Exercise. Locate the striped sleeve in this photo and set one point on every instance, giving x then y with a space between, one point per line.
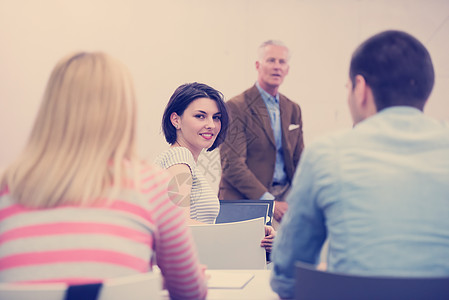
174 156
175 250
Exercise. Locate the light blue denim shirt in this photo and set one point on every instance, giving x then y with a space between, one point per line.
379 192
272 104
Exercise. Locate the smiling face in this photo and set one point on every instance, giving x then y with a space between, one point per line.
272 67
198 126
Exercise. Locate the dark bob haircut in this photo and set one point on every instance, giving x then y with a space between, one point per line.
182 97
397 67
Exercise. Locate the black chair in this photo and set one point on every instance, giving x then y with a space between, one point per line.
312 284
137 287
241 210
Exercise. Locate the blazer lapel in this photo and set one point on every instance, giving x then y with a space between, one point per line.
285 117
260 112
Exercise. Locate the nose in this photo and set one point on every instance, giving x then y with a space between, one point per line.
210 123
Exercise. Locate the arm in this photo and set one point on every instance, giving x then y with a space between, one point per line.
302 232
233 154
175 251
179 189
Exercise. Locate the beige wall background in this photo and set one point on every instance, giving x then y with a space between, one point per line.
168 43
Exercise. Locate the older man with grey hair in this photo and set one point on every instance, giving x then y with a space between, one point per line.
265 140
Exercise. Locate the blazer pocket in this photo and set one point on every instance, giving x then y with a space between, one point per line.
293 127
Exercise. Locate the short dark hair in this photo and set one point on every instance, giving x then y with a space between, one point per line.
397 67
182 97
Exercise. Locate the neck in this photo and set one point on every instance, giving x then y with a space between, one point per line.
272 90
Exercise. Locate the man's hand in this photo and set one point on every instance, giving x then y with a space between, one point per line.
280 207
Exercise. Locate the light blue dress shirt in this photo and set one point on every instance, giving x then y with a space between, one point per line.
379 192
272 104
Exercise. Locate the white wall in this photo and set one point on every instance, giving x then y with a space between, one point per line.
167 43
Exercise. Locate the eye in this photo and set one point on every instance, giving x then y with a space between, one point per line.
200 116
282 62
271 60
217 118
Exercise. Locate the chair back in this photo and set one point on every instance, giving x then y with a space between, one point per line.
137 287
231 245
241 210
312 284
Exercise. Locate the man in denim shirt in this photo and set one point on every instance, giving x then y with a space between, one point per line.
379 192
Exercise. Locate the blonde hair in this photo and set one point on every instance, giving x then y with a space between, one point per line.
83 139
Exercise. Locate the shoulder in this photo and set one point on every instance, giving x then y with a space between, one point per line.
238 105
180 170
174 156
240 99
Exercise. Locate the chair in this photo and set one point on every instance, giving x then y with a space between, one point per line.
231 245
146 286
240 210
319 285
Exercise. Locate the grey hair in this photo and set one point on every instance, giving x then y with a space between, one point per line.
261 49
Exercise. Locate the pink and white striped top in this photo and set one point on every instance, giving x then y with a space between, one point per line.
74 244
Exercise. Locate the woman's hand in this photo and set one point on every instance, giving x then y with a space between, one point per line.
267 241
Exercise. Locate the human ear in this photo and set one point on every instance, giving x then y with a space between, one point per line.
359 89
364 96
174 118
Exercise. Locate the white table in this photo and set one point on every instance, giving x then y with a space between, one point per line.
257 289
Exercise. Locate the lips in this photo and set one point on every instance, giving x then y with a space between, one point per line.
207 136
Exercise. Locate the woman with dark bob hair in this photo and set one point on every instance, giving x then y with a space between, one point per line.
195 119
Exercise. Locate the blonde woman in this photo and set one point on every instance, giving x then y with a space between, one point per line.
77 206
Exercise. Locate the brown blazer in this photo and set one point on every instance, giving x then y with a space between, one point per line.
248 154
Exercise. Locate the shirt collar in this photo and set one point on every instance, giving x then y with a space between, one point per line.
266 96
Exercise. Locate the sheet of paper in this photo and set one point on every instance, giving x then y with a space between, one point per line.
220 279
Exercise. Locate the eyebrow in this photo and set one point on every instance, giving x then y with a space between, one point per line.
203 112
